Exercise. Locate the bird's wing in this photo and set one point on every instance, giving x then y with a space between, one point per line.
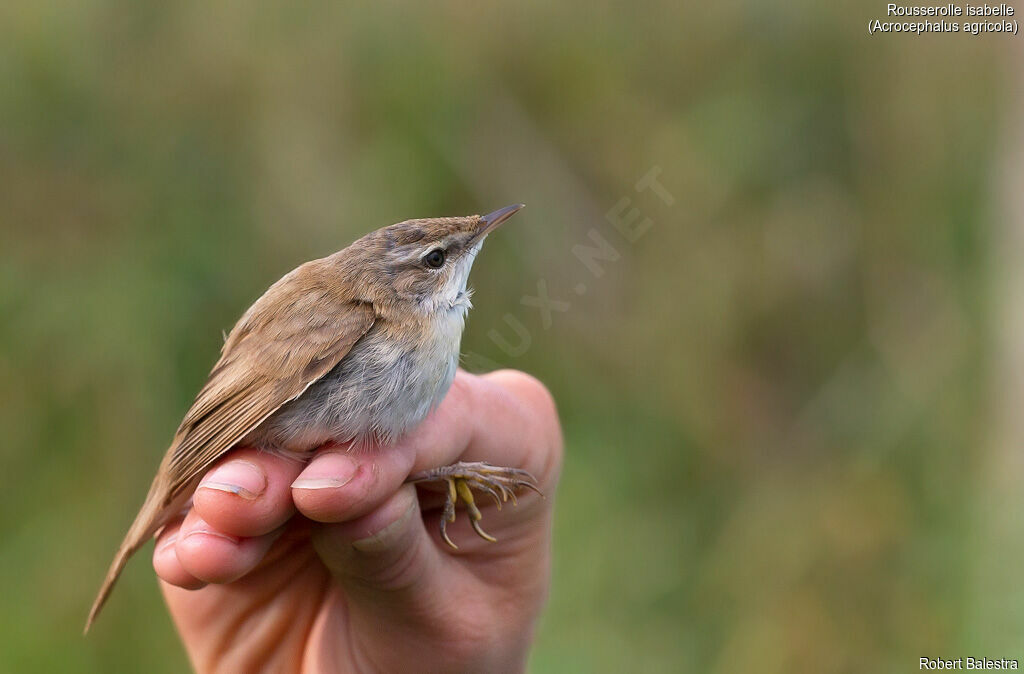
270 358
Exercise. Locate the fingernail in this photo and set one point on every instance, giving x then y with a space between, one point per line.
167 543
211 532
386 537
241 478
327 471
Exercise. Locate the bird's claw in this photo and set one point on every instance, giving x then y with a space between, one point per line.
461 478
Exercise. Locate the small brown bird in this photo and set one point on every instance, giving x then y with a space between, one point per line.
357 347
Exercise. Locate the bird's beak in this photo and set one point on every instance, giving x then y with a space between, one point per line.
490 222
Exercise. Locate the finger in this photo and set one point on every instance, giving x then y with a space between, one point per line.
340 485
165 560
247 493
511 421
526 417
506 418
212 556
384 561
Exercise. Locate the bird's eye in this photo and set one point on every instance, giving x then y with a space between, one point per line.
434 259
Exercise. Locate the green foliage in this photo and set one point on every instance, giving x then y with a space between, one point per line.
772 400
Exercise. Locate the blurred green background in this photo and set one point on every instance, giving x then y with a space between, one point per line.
788 404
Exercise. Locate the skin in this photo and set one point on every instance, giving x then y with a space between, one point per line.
337 566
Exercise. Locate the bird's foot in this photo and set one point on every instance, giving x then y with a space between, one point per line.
461 478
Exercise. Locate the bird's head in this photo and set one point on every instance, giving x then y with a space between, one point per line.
423 265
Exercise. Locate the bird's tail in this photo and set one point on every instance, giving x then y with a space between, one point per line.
152 516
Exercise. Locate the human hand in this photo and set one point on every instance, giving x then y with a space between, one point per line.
337 566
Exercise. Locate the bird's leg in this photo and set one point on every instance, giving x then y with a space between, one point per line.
461 478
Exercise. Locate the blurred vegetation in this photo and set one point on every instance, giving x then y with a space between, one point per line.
774 401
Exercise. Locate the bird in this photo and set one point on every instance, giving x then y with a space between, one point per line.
357 347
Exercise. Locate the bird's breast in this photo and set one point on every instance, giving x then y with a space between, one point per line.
385 386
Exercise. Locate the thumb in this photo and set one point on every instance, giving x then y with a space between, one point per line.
385 561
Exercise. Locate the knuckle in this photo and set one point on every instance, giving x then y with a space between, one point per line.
539 401
529 389
396 570
542 430
469 640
